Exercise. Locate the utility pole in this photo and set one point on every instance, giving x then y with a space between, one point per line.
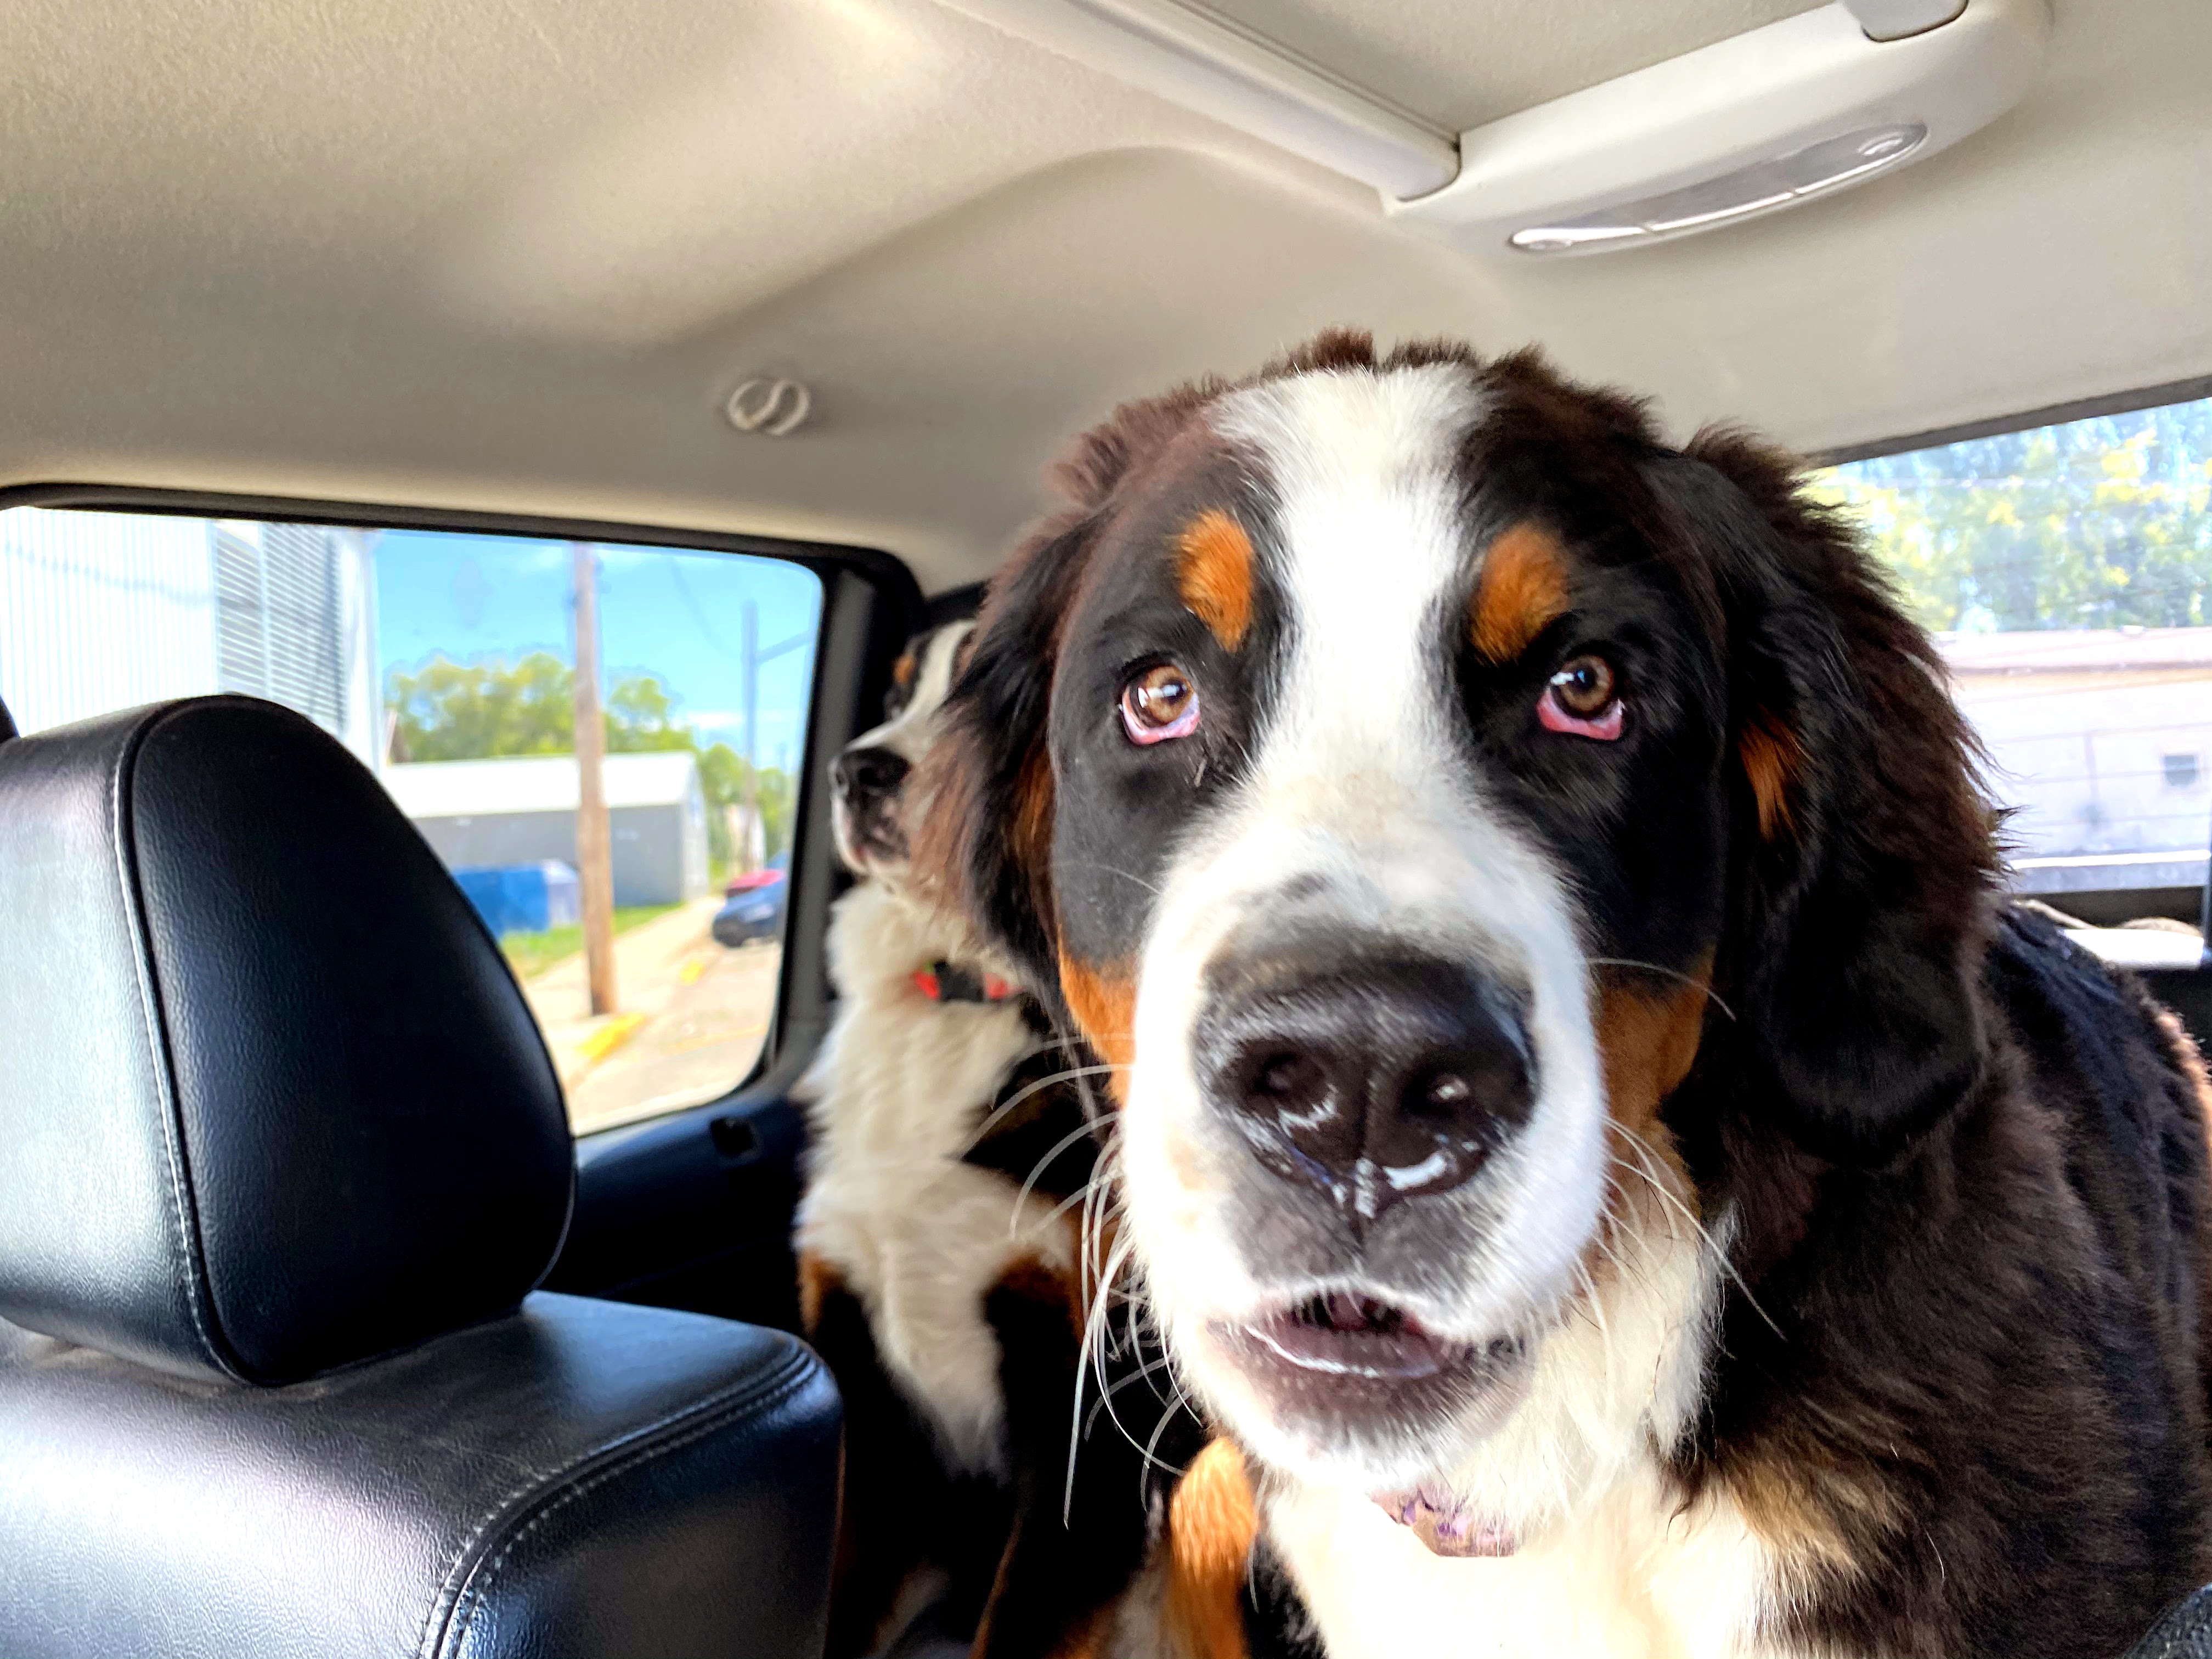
750 657
595 872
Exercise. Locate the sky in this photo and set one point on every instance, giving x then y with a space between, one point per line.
676 614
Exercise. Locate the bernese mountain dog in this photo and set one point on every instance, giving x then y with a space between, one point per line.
1589 1127
942 1252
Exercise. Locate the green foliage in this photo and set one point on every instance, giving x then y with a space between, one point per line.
488 707
466 711
2100 523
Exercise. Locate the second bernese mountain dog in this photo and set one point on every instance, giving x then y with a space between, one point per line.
1590 1128
1011 1447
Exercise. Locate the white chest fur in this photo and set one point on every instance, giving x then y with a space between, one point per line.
919 1235
1611 1565
1627 1579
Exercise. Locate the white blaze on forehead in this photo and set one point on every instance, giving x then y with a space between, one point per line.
1371 536
910 733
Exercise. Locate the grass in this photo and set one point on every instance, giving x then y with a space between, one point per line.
532 954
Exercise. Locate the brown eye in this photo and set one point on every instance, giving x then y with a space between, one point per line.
1159 703
1584 686
1583 699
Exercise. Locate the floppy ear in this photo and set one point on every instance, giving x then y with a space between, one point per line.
985 845
1862 853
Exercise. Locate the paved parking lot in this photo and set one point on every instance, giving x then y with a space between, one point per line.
692 1018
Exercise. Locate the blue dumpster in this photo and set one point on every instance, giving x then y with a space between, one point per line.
522 898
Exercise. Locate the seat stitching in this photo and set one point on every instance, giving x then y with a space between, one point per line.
182 1213
463 1592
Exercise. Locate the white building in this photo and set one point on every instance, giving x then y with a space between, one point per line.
2102 740
522 809
107 610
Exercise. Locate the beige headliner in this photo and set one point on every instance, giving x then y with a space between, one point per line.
513 255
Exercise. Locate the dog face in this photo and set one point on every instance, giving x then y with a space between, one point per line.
1391 763
868 808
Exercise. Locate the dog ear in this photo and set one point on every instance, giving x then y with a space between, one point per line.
1863 854
984 844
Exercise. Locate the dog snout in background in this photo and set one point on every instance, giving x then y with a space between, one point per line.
867 781
870 810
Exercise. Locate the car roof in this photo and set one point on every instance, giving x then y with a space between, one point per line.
516 256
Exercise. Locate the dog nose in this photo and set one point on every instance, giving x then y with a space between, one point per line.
865 775
1376 1076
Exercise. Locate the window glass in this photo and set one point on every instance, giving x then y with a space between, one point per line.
2066 572
447 662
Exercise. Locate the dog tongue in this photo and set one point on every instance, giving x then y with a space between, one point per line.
1445 1524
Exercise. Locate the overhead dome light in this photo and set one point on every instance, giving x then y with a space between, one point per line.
1760 188
1746 126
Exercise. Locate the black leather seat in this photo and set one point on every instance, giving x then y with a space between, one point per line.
281 1155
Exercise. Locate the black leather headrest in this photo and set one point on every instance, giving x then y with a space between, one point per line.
270 1100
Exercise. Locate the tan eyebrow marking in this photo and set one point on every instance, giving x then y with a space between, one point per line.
903 670
1213 574
1522 590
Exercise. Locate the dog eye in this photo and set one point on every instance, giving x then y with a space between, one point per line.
1159 703
1582 698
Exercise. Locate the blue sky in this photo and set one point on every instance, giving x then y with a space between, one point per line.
677 614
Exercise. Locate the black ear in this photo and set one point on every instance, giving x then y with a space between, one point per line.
985 843
1863 854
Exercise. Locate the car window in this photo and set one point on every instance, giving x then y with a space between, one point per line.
2066 571
447 663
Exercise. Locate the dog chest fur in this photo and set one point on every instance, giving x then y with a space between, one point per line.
899 1093
1632 1578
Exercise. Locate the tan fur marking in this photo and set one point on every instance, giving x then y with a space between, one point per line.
1214 575
902 671
1522 590
1032 830
1087 1641
1106 1009
1647 1042
1796 1499
816 1279
1770 754
1211 1521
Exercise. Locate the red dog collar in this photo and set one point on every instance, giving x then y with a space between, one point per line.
943 981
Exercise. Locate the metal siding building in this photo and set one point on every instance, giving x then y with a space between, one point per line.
523 808
101 612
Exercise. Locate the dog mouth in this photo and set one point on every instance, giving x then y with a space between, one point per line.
1368 1388
1338 1333
1343 1353
870 839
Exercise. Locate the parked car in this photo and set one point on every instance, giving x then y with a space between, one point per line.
753 908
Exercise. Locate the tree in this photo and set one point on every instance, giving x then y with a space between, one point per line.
488 707
2099 523
466 711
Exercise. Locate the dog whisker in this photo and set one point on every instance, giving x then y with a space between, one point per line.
1023 1094
1710 995
1642 1148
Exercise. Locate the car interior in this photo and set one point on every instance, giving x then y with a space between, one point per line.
377 1277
